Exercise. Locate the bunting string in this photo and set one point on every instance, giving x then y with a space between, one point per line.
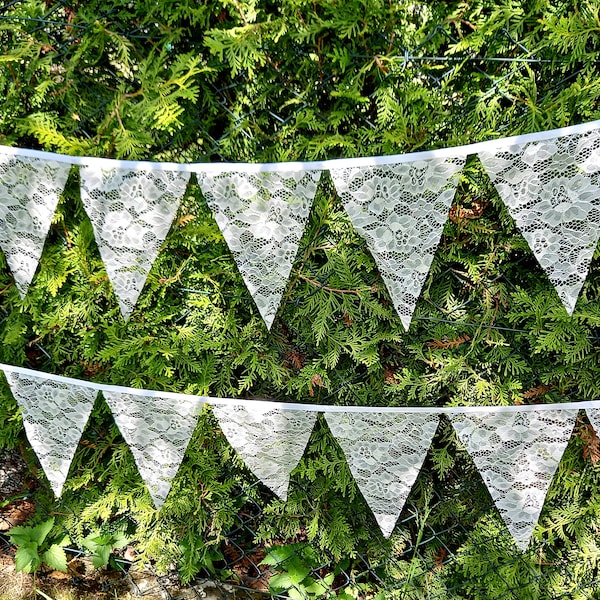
549 181
516 449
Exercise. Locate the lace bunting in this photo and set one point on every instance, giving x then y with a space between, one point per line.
594 417
517 454
271 441
385 452
29 192
158 431
516 449
54 415
552 190
262 218
131 212
400 210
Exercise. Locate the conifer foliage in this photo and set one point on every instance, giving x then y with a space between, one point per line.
261 81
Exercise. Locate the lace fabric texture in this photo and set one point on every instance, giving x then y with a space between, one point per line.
54 415
131 212
594 417
552 190
270 441
400 210
29 192
517 454
262 217
158 431
385 453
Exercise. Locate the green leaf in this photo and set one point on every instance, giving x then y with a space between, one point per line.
55 558
280 582
101 556
41 531
22 534
27 558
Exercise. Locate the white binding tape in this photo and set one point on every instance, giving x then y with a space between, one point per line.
323 165
322 408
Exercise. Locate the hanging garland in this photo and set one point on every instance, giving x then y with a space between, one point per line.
516 449
550 183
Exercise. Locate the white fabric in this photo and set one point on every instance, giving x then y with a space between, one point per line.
269 440
131 212
517 454
517 448
158 432
262 217
54 415
400 211
29 192
552 190
594 417
385 453
320 165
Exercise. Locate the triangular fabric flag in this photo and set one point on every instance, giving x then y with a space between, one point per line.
29 192
270 440
517 454
552 190
400 210
54 415
262 217
131 212
385 452
594 417
158 431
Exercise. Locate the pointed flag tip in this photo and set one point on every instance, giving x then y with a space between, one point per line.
158 432
269 212
400 210
270 441
54 416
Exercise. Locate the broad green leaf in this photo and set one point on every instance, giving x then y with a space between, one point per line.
55 558
27 558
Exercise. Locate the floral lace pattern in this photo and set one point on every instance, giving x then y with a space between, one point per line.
131 212
385 453
29 192
54 415
158 431
400 210
552 190
517 454
271 441
594 417
262 218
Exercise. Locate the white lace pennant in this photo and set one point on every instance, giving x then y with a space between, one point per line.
262 218
132 212
54 415
552 190
271 441
594 417
158 431
29 192
385 452
400 210
517 454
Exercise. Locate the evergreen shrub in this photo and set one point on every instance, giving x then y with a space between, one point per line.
261 81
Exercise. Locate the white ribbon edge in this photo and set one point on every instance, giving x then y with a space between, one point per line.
266 405
322 165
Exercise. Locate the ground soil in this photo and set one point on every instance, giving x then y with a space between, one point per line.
82 581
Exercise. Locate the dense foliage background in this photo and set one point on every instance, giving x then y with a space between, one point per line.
253 80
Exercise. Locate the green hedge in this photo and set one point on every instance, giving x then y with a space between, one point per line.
252 80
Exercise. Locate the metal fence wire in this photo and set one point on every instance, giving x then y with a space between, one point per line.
432 542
